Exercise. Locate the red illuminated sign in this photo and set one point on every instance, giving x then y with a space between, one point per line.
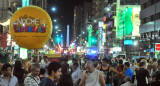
157 46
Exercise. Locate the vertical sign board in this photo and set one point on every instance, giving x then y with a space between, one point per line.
157 46
4 40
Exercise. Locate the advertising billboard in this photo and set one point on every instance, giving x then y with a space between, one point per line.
129 22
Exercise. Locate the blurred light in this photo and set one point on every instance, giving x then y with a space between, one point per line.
56 32
93 51
53 9
135 43
61 35
83 32
95 21
56 27
55 20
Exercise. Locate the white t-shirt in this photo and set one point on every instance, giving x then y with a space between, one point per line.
76 75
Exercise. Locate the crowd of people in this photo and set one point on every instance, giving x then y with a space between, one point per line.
70 71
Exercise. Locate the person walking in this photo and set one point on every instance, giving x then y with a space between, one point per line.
141 75
19 73
33 78
128 71
54 72
65 80
91 76
107 71
7 79
76 75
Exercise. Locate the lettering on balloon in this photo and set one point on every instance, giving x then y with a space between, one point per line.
29 24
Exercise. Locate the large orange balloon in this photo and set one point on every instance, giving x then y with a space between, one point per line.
31 27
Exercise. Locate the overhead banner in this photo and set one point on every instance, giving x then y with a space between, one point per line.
31 27
129 22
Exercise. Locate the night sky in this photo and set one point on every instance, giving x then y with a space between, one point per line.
64 13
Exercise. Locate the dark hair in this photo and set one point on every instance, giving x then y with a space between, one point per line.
53 66
158 61
105 59
65 80
120 61
76 64
19 72
141 64
158 75
18 65
42 71
5 66
127 64
65 68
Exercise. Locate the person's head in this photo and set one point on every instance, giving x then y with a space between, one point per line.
18 65
126 64
142 65
105 61
35 69
65 80
65 68
75 66
74 60
154 59
89 66
45 59
42 71
120 61
128 79
7 69
54 69
155 65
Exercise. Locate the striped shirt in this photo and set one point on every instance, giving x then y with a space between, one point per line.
31 81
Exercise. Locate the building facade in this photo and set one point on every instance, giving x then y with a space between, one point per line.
149 29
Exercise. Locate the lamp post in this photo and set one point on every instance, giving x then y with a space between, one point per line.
154 31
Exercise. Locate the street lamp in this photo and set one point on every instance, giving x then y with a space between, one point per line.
55 20
53 9
56 27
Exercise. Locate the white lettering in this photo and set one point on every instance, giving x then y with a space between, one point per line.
20 21
36 21
28 20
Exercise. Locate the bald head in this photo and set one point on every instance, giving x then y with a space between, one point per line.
90 63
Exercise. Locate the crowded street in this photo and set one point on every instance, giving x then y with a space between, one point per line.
79 43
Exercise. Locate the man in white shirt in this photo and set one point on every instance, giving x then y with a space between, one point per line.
76 75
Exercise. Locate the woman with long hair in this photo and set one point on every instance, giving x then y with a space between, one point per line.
19 72
65 80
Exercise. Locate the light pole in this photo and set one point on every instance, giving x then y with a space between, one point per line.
154 31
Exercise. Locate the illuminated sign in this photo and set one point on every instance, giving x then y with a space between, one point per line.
129 22
23 53
25 3
128 42
30 27
157 46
